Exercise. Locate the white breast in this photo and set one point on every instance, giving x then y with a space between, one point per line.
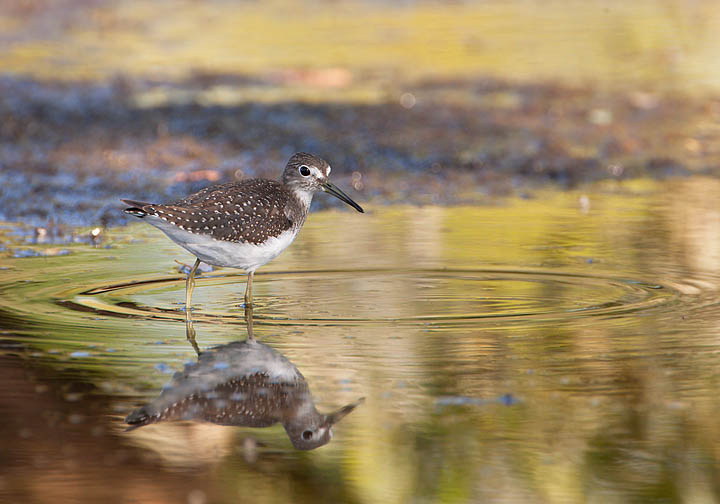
245 256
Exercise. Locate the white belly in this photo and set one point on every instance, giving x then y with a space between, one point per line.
224 253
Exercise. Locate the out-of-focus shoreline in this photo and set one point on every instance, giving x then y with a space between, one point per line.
440 103
69 151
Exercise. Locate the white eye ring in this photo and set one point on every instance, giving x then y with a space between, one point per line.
304 170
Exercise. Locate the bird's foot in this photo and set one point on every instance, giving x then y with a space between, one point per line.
184 268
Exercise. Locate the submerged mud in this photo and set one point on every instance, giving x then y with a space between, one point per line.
69 151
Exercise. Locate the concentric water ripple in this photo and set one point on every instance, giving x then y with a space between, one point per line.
381 296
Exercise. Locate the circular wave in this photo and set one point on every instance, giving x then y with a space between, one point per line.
380 296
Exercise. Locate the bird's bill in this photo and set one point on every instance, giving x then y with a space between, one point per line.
338 415
332 189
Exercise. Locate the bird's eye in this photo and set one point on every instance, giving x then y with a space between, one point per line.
305 172
307 434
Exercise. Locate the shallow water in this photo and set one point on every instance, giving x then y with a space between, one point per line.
556 349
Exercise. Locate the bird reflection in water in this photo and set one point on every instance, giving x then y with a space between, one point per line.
244 383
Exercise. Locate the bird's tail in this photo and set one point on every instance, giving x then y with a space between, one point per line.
136 208
139 418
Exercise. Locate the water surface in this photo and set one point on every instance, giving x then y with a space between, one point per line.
554 349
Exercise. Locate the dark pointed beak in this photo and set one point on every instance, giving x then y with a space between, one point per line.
332 189
338 415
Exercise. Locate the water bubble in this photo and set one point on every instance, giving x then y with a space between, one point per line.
408 100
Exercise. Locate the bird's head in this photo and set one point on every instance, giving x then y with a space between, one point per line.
306 173
309 429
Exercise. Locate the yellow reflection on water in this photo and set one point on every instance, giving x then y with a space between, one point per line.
670 44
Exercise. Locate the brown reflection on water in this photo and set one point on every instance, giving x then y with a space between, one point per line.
696 228
60 444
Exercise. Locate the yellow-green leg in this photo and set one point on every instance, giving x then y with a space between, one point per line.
249 322
248 290
189 286
190 334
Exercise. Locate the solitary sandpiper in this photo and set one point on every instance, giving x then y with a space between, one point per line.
242 224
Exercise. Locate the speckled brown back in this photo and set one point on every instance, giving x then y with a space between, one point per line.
249 211
250 401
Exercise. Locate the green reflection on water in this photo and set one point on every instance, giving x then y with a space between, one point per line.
607 403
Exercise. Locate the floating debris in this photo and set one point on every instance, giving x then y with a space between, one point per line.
95 236
505 399
24 253
163 368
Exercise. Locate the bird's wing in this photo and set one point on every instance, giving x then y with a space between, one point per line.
238 212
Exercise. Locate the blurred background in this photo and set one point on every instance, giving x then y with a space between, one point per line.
419 102
529 306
